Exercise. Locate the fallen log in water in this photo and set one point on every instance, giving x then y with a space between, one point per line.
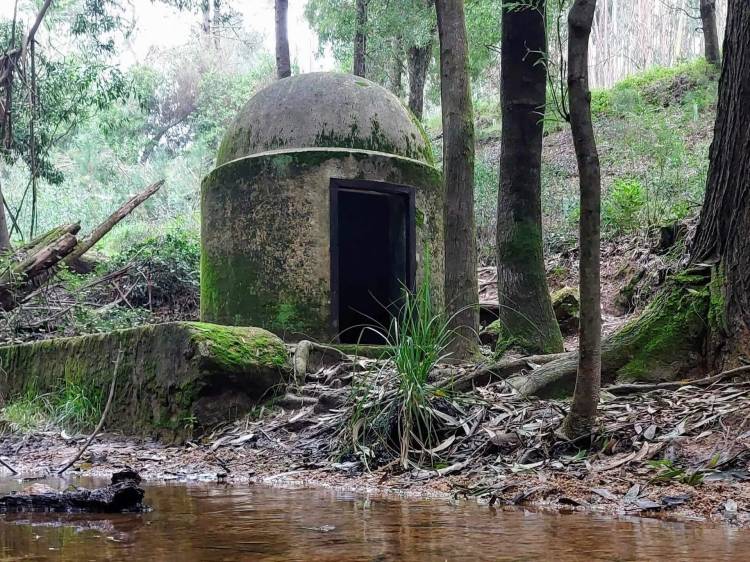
123 494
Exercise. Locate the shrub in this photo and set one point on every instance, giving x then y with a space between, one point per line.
622 206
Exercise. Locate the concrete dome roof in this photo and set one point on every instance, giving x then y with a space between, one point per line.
324 110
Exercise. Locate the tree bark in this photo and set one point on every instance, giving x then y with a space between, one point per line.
722 238
582 413
360 39
4 230
397 67
461 287
418 62
710 34
525 305
283 66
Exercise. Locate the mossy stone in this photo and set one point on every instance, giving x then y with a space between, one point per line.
172 378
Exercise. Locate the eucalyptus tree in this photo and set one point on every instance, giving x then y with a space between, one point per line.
588 381
283 66
461 289
525 310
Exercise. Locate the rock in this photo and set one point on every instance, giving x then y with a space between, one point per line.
492 333
172 379
565 303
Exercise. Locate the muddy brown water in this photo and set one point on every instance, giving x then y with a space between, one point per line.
192 522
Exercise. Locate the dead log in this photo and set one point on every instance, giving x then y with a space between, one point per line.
31 264
483 375
123 494
99 232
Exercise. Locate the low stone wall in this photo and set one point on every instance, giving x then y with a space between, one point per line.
172 379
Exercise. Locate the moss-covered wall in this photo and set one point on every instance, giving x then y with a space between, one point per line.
171 379
266 234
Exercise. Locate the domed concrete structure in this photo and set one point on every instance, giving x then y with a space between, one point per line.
321 207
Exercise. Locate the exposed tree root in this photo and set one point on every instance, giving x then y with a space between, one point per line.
310 356
631 388
483 375
661 345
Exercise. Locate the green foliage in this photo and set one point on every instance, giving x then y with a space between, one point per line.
74 406
404 423
668 471
486 184
622 206
170 264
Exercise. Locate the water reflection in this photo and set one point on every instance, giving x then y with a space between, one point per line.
214 523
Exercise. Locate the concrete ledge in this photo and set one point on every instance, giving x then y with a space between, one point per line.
173 378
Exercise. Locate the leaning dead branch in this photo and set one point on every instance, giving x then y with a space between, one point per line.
99 232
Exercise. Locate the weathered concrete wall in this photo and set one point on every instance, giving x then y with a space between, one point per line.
266 234
324 109
172 377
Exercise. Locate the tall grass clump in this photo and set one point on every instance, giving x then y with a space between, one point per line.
395 411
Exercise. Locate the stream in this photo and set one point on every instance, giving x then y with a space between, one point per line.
211 522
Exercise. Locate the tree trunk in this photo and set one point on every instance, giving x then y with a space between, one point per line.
461 287
4 230
722 239
418 62
111 221
586 394
360 39
710 35
525 305
283 66
206 17
397 67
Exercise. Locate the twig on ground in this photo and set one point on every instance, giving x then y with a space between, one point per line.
6 465
101 420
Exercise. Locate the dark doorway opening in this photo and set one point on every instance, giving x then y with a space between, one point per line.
372 255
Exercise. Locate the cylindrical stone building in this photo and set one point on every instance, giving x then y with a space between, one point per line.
323 205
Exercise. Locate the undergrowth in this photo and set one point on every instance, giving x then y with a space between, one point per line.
397 412
73 407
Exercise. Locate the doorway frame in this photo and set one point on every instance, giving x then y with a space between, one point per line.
336 186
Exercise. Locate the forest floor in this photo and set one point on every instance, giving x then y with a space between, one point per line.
680 454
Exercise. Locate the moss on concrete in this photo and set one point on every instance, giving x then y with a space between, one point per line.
319 110
265 258
172 377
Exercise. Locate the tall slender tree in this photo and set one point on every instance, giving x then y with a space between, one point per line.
525 306
588 381
360 38
461 288
710 34
283 66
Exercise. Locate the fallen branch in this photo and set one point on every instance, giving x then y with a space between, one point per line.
640 387
101 420
325 355
483 375
6 465
99 232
